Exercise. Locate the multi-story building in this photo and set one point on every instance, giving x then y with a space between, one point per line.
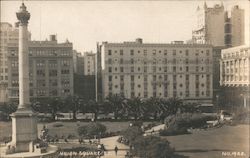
237 24
210 25
137 69
8 35
78 60
215 27
89 63
84 77
235 74
51 69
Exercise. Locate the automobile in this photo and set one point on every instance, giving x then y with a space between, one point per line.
226 116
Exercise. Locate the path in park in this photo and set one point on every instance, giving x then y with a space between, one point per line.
155 129
110 144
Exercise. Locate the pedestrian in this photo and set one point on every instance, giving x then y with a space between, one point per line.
116 150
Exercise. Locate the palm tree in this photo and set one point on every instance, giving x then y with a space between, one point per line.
153 107
170 107
116 103
135 107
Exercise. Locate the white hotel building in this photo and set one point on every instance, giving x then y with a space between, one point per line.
137 69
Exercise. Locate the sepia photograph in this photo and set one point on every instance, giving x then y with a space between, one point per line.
124 78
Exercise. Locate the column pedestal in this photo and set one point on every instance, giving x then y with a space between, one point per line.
24 130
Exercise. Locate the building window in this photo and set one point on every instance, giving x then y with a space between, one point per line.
121 69
174 52
207 52
109 61
121 61
109 52
174 68
132 77
110 69
131 52
121 78
186 52
132 69
165 52
121 52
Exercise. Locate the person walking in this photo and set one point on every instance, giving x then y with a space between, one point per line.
116 150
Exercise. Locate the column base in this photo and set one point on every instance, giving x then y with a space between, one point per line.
24 130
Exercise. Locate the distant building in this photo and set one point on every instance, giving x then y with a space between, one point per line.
8 35
215 27
137 69
84 77
78 60
235 74
238 29
51 69
89 63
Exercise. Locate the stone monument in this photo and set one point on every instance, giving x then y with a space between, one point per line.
24 124
25 142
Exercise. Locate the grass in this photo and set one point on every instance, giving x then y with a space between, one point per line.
67 128
211 143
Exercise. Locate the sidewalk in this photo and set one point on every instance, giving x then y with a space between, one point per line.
110 144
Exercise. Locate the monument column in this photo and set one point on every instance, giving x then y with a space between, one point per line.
24 122
23 16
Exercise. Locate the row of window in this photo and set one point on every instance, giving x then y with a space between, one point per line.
154 52
42 83
159 61
41 93
132 77
145 94
154 69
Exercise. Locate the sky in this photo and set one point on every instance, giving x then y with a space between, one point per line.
84 23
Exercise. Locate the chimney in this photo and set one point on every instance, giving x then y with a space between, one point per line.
138 40
52 38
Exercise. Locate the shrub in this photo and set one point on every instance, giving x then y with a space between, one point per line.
152 146
92 129
179 124
130 134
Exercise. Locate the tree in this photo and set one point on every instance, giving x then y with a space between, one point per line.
135 107
73 104
153 107
93 107
152 147
8 109
170 107
53 105
131 133
116 103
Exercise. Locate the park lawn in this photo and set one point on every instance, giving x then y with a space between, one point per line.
67 128
211 143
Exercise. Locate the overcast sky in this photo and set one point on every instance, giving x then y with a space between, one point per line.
86 22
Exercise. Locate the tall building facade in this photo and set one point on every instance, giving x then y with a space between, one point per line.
214 26
78 60
89 63
137 69
235 74
8 35
51 69
237 24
